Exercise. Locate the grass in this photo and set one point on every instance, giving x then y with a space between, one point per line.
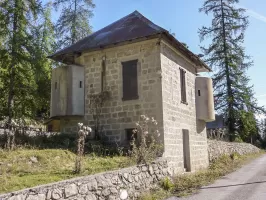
187 184
17 171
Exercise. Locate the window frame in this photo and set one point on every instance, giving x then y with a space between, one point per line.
183 89
125 77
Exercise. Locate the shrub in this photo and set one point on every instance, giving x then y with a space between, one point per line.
167 184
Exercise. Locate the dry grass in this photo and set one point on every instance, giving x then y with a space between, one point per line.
187 184
17 171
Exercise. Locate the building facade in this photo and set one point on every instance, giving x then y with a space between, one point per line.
149 74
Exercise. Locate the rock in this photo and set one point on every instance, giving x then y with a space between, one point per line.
155 167
115 180
102 182
150 170
144 168
71 190
111 198
92 185
135 171
123 194
113 190
90 196
33 159
83 189
106 192
36 197
56 194
17 197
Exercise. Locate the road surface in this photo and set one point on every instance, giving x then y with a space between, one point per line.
247 183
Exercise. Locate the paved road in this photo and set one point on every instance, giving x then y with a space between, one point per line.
247 183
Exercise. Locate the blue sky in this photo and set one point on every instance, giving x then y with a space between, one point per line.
182 18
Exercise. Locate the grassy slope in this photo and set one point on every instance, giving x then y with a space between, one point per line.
188 184
18 172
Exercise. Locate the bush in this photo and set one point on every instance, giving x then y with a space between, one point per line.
167 184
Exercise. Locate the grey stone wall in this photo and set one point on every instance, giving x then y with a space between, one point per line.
118 115
218 148
102 186
177 115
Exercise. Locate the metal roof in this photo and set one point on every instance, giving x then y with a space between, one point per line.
129 28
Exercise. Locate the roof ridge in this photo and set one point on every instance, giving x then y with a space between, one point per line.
147 21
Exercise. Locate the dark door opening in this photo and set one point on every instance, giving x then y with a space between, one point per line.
186 150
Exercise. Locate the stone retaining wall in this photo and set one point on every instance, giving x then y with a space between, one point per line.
217 148
110 185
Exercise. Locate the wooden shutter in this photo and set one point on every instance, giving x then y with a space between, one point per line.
130 80
183 85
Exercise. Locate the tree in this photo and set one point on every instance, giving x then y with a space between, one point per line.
226 55
43 45
25 71
15 20
73 23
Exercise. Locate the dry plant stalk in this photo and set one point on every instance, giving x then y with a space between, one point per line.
146 148
82 133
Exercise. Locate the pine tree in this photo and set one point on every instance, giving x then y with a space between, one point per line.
226 55
73 23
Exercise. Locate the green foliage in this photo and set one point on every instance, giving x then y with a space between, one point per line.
18 171
73 23
25 70
234 98
167 184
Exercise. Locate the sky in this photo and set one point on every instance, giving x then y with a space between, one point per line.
183 19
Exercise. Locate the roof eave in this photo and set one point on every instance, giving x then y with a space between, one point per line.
65 58
202 66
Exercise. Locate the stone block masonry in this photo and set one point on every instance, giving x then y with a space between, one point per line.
218 148
118 114
179 116
104 186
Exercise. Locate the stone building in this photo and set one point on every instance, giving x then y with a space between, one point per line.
146 71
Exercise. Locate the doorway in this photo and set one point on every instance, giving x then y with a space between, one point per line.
186 150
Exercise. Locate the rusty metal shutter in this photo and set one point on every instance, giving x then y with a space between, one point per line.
130 80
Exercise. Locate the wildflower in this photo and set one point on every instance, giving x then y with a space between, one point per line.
80 125
135 130
145 132
142 116
89 129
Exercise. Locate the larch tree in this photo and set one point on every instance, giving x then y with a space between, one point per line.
73 23
43 44
15 19
27 30
226 55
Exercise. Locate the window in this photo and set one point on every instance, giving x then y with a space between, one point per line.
130 80
50 128
55 85
199 93
130 135
183 86
103 76
80 84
